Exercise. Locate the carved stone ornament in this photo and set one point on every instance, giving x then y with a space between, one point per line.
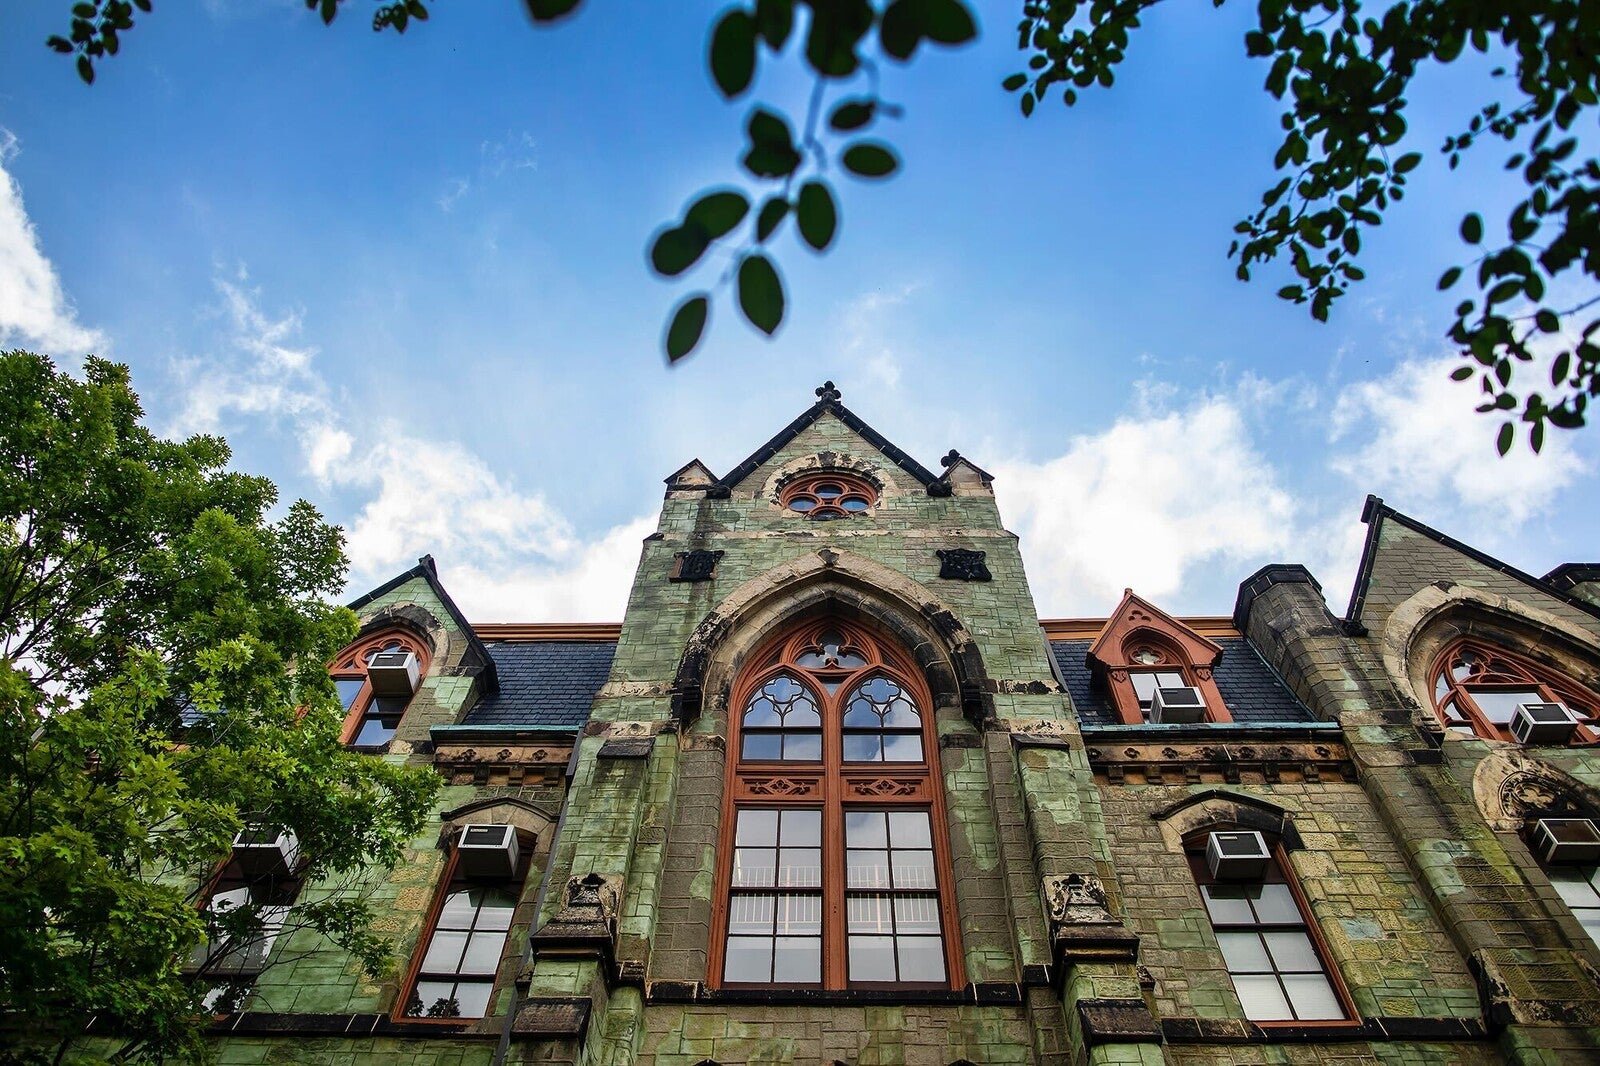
886 786
1082 927
586 922
962 564
697 565
1076 898
780 786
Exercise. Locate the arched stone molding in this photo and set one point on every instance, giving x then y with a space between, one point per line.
1511 786
1420 628
532 822
828 460
418 622
1220 809
856 588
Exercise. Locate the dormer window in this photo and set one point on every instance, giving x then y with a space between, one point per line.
1155 668
828 495
375 680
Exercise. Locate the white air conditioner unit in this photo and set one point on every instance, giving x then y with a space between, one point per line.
1238 855
1181 704
487 851
1542 723
393 673
270 852
1567 840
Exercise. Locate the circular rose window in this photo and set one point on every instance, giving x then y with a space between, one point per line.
830 495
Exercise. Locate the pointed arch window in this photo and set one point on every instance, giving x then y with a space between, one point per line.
1477 688
1142 650
371 718
835 867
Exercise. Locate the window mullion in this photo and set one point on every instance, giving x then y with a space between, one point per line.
833 905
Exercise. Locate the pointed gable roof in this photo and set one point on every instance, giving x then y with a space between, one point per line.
829 403
478 656
691 475
1136 613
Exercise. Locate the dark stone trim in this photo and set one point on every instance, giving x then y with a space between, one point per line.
477 662
630 748
1216 732
695 565
683 992
962 564
552 1017
275 1023
1239 1031
1038 740
1037 975
1248 812
1117 1021
828 404
1262 580
1565 576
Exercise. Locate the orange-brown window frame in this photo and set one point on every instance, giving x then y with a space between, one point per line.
810 489
834 787
1170 659
1511 672
351 665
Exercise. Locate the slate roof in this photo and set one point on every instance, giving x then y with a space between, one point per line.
1251 689
544 684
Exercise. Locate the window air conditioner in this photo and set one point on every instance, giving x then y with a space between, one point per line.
1182 704
1542 723
487 851
393 673
269 852
1238 855
1566 840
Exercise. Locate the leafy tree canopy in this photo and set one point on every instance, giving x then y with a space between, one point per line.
163 685
1342 70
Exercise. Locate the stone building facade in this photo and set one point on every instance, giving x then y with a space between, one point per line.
833 793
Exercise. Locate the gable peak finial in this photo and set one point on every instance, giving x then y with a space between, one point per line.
951 458
827 393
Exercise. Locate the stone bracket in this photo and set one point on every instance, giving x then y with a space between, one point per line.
1117 1021
1082 927
551 1018
586 924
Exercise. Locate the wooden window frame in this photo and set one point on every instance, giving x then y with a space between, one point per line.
804 488
1138 630
350 665
1514 672
834 787
517 883
1278 872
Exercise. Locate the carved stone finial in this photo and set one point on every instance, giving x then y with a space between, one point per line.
951 458
827 392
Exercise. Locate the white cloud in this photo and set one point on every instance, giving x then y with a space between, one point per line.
34 311
1417 440
866 329
1147 502
507 554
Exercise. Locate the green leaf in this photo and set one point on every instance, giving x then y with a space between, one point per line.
1461 373
772 153
1015 82
774 20
837 27
677 249
760 293
772 213
1257 43
869 159
86 70
1449 278
1547 320
59 44
733 52
1407 163
852 114
688 325
901 29
550 10
718 212
947 22
1502 443
1472 231
816 215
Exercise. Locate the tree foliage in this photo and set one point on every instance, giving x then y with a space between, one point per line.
163 685
1343 70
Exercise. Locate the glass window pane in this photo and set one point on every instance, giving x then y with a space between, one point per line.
483 953
902 747
436 999
871 958
797 960
900 714
762 747
782 689
761 714
913 869
802 747
799 915
916 914
444 952
862 747
757 829
1144 685
755 867
458 911
909 829
802 714
1275 905
1169 679
473 997
802 503
749 958
866 829
495 908
1499 704
349 688
1293 953
802 829
1226 905
921 958
879 689
1312 997
1243 952
869 913
373 731
867 869
853 503
800 867
861 715
750 915
1262 999
1590 920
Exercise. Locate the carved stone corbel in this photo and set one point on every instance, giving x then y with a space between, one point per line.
1082 927
586 924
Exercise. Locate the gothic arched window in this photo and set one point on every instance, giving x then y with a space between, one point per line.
835 865
372 717
1477 688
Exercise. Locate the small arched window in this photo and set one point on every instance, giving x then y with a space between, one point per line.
1476 689
371 718
832 494
836 869
1141 651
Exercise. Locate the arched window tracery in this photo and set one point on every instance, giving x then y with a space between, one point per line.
829 494
1477 687
835 868
371 719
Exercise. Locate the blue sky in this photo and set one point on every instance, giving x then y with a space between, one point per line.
405 277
